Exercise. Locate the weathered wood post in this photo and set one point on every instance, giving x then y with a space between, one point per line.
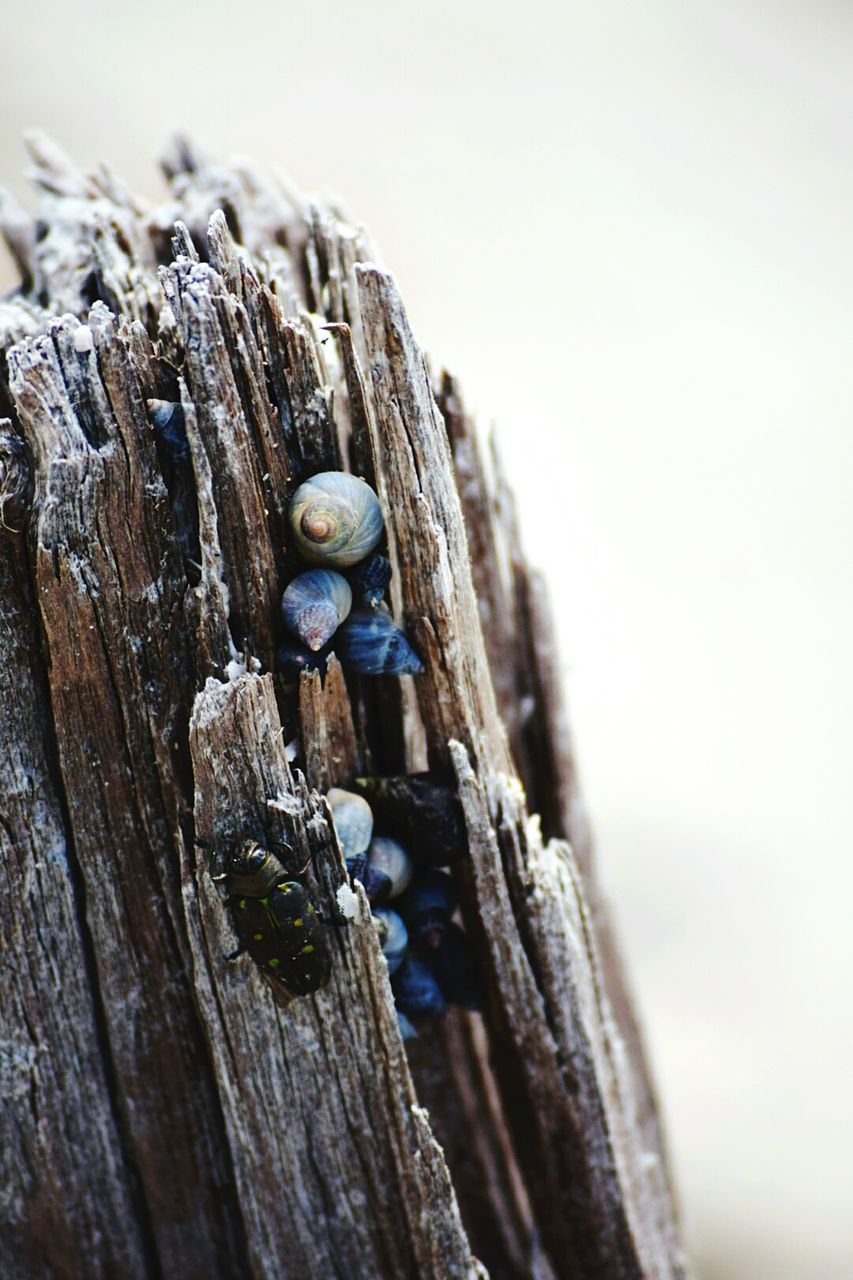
163 1114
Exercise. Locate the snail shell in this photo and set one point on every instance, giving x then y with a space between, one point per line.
429 905
389 870
167 419
353 822
370 578
336 518
416 990
292 658
407 1031
453 966
357 867
315 604
393 937
370 643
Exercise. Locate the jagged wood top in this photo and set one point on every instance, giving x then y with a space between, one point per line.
226 1134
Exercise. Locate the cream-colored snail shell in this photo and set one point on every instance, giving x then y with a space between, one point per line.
336 518
389 869
353 821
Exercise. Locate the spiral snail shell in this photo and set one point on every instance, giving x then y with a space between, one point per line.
167 418
370 643
388 872
393 937
336 518
428 906
315 604
354 826
416 990
407 1031
370 579
453 966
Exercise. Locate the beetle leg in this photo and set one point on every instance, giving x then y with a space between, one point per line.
214 859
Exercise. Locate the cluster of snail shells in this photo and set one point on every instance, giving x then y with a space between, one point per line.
426 953
336 523
381 865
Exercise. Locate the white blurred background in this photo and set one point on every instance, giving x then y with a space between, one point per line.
628 228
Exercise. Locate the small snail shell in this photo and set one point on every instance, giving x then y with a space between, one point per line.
167 418
315 604
416 990
353 822
407 1031
389 870
291 658
393 937
370 578
369 642
428 906
452 965
357 867
336 518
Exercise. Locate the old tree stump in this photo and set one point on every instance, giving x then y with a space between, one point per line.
164 1114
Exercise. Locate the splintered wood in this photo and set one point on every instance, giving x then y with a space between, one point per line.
166 1112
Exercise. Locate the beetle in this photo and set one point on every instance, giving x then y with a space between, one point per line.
276 921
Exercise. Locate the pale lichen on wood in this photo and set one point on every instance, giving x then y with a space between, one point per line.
165 1111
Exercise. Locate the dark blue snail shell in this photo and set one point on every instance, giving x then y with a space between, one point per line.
393 937
370 643
292 658
167 419
452 965
428 905
357 867
416 990
388 872
407 1031
370 579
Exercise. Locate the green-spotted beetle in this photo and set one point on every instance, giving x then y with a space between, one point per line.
276 921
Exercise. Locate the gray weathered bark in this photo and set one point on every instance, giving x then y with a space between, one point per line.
165 1113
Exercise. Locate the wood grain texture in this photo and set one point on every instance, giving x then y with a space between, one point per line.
328 742
109 594
207 1123
317 1096
59 1123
